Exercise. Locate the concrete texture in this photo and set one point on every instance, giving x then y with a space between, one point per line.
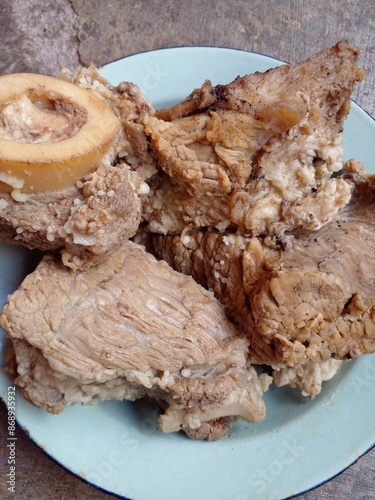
37 36
44 36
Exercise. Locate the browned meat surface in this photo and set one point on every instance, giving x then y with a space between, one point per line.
258 154
127 328
85 221
308 296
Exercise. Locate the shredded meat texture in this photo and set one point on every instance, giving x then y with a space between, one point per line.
307 297
86 221
127 328
258 154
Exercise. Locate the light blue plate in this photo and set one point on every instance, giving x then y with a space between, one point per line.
117 446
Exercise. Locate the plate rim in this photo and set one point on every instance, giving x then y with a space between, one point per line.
193 47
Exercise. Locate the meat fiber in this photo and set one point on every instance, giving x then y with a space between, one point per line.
256 155
128 328
307 297
85 221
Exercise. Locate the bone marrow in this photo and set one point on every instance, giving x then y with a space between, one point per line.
52 132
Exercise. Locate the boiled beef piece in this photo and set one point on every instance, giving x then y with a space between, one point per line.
307 297
128 328
257 155
81 223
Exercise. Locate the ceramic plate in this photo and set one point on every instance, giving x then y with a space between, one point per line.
117 446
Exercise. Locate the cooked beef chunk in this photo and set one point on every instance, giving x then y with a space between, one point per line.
82 223
306 297
127 328
256 155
